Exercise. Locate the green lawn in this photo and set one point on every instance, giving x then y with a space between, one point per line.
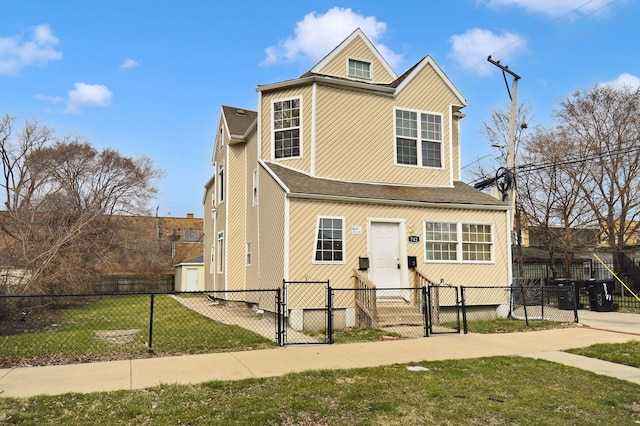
624 353
78 333
486 391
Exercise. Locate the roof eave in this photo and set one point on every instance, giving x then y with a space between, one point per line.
408 203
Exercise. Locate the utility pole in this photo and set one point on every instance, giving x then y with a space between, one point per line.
511 146
510 178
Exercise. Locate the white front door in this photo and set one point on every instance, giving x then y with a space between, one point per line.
192 279
386 268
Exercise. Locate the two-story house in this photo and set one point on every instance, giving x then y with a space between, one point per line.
349 167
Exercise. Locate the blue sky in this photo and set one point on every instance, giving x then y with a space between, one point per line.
149 77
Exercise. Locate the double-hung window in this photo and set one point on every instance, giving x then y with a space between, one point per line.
330 240
418 138
458 242
221 182
286 127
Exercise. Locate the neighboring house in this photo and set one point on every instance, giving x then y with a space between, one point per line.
190 275
346 165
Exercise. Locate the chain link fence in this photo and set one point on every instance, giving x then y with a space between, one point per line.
526 301
61 329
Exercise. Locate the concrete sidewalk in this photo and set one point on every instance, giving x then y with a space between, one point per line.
142 373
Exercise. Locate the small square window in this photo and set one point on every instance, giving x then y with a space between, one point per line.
359 69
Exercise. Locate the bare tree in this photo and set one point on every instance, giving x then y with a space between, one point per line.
603 124
549 191
60 196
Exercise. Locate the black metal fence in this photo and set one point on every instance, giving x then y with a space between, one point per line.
624 290
57 329
530 302
60 329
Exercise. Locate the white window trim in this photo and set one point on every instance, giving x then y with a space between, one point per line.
315 243
459 243
273 131
354 58
418 139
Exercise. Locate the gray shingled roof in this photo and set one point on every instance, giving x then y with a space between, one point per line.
239 120
301 184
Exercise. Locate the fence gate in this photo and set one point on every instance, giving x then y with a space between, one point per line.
444 310
306 305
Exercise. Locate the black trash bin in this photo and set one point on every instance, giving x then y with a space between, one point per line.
568 293
601 297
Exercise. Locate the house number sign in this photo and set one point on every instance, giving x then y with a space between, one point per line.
414 239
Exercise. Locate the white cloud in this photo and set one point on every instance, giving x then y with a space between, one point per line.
52 99
471 49
129 63
16 53
317 34
551 7
88 95
625 80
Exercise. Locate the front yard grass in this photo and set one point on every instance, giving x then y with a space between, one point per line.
623 353
485 391
118 328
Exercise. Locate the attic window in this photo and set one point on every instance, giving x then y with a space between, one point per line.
359 69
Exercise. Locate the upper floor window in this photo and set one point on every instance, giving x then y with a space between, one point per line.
451 242
330 240
359 69
221 182
418 138
286 126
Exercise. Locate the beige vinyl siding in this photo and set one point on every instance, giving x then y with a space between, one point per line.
267 99
251 223
303 219
363 148
357 49
208 237
271 218
235 235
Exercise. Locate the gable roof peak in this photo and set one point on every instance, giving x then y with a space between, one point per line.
357 33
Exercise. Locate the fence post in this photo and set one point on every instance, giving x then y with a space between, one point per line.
425 310
524 304
576 297
463 297
151 324
329 313
279 319
542 302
